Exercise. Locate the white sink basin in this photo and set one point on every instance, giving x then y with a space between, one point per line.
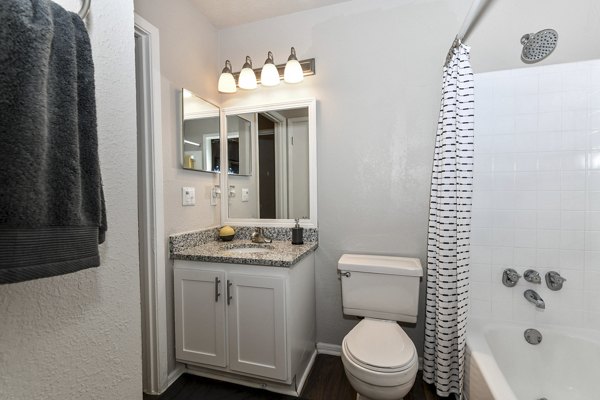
248 250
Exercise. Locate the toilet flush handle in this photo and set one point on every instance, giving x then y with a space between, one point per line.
346 274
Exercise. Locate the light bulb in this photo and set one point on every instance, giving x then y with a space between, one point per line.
226 80
269 76
293 70
247 78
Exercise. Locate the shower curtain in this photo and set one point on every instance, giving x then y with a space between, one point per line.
449 229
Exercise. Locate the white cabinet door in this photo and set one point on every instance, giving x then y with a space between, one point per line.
200 316
257 323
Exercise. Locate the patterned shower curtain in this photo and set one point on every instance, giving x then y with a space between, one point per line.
449 229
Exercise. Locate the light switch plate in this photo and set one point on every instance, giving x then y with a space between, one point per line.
245 195
188 196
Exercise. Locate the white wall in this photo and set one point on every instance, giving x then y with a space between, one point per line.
188 52
78 336
536 201
377 84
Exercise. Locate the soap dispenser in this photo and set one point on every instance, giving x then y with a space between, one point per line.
297 233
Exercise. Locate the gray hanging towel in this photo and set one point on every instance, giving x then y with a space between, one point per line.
52 214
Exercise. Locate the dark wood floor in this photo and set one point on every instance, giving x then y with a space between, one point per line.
327 381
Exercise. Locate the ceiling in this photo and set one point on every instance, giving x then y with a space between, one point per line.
227 13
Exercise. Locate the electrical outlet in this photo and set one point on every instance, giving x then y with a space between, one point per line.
245 194
188 196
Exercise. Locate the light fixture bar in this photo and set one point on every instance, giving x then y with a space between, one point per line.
308 68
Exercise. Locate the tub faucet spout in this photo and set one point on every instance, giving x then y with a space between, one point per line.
533 297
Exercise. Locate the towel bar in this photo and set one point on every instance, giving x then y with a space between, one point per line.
85 8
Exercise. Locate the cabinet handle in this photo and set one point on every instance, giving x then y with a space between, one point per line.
229 297
217 294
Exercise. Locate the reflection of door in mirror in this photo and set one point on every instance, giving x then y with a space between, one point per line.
239 145
200 128
281 188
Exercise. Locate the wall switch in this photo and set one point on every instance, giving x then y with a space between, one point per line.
188 196
245 195
215 192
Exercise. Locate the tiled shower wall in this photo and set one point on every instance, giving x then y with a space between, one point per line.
536 201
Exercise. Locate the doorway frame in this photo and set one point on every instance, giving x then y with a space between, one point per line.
153 246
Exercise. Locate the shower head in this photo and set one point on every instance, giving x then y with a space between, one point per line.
537 46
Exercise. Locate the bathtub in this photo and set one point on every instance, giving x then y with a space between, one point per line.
501 365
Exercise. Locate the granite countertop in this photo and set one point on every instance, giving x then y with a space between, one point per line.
282 254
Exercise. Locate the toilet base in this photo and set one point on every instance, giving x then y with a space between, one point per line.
379 392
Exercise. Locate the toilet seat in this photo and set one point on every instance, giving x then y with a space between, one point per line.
380 352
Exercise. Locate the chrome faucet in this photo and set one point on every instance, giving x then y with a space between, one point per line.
258 236
533 297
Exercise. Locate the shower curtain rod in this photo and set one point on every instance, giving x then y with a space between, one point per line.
474 12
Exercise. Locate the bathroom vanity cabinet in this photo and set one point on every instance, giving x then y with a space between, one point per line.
248 324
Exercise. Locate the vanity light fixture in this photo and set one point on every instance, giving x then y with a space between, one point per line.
293 71
269 76
226 80
247 78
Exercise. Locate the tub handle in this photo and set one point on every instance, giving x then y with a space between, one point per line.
510 277
554 281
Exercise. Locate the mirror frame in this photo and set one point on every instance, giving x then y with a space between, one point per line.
309 103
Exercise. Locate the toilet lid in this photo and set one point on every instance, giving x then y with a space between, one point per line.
378 344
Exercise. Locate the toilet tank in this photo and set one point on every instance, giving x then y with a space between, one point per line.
381 287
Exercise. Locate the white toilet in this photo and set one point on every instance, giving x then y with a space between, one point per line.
380 360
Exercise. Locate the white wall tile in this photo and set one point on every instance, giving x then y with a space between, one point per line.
573 200
573 160
527 180
592 220
550 161
572 180
574 140
548 180
525 238
592 261
502 254
525 218
537 192
480 254
572 240
550 102
572 220
592 240
572 259
548 219
548 200
480 272
548 239
525 256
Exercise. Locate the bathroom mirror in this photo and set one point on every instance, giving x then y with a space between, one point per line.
201 139
281 156
200 145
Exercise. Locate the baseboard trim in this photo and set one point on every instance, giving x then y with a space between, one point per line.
174 375
306 372
328 348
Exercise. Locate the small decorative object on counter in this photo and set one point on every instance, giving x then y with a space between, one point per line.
226 233
297 233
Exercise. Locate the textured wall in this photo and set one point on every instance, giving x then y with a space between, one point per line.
78 336
188 58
